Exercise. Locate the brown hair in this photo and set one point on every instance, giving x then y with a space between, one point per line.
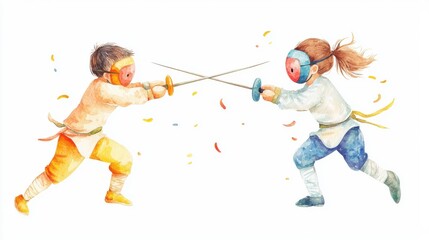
105 55
349 61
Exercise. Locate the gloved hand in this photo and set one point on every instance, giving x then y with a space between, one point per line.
158 88
271 93
155 89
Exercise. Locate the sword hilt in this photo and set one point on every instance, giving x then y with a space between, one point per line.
256 89
169 84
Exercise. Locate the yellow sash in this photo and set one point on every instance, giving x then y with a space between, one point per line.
355 115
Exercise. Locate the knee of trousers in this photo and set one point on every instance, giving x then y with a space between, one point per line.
301 161
122 165
61 167
121 168
356 163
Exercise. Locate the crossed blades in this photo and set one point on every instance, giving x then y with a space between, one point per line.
255 89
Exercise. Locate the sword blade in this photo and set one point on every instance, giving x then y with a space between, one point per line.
230 83
213 77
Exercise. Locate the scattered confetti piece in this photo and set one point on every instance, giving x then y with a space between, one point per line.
52 58
196 125
384 81
294 138
290 124
377 99
55 70
175 124
62 96
194 93
139 153
148 119
257 45
221 103
286 178
216 147
189 163
270 42
372 77
189 155
242 124
266 33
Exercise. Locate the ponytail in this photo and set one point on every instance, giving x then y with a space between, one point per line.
350 61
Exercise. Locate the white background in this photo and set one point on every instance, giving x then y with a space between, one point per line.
249 190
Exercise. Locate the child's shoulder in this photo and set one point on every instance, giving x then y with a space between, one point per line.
96 84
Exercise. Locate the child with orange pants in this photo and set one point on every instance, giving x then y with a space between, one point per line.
81 134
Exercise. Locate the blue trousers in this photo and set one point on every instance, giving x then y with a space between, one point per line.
351 147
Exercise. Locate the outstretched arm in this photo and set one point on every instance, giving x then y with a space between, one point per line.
124 96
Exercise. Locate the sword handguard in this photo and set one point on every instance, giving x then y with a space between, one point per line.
256 90
170 86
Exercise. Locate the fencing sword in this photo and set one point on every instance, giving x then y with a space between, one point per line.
256 88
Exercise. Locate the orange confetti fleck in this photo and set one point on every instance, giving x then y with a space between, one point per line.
221 103
290 124
294 138
216 147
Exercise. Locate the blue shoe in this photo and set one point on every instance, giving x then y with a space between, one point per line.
311 202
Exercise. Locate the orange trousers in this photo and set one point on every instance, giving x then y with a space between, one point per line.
67 158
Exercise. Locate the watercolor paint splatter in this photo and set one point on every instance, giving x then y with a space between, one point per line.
148 119
222 104
291 124
62 96
377 99
216 147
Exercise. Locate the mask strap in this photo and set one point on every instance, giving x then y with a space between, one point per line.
309 78
110 72
322 59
